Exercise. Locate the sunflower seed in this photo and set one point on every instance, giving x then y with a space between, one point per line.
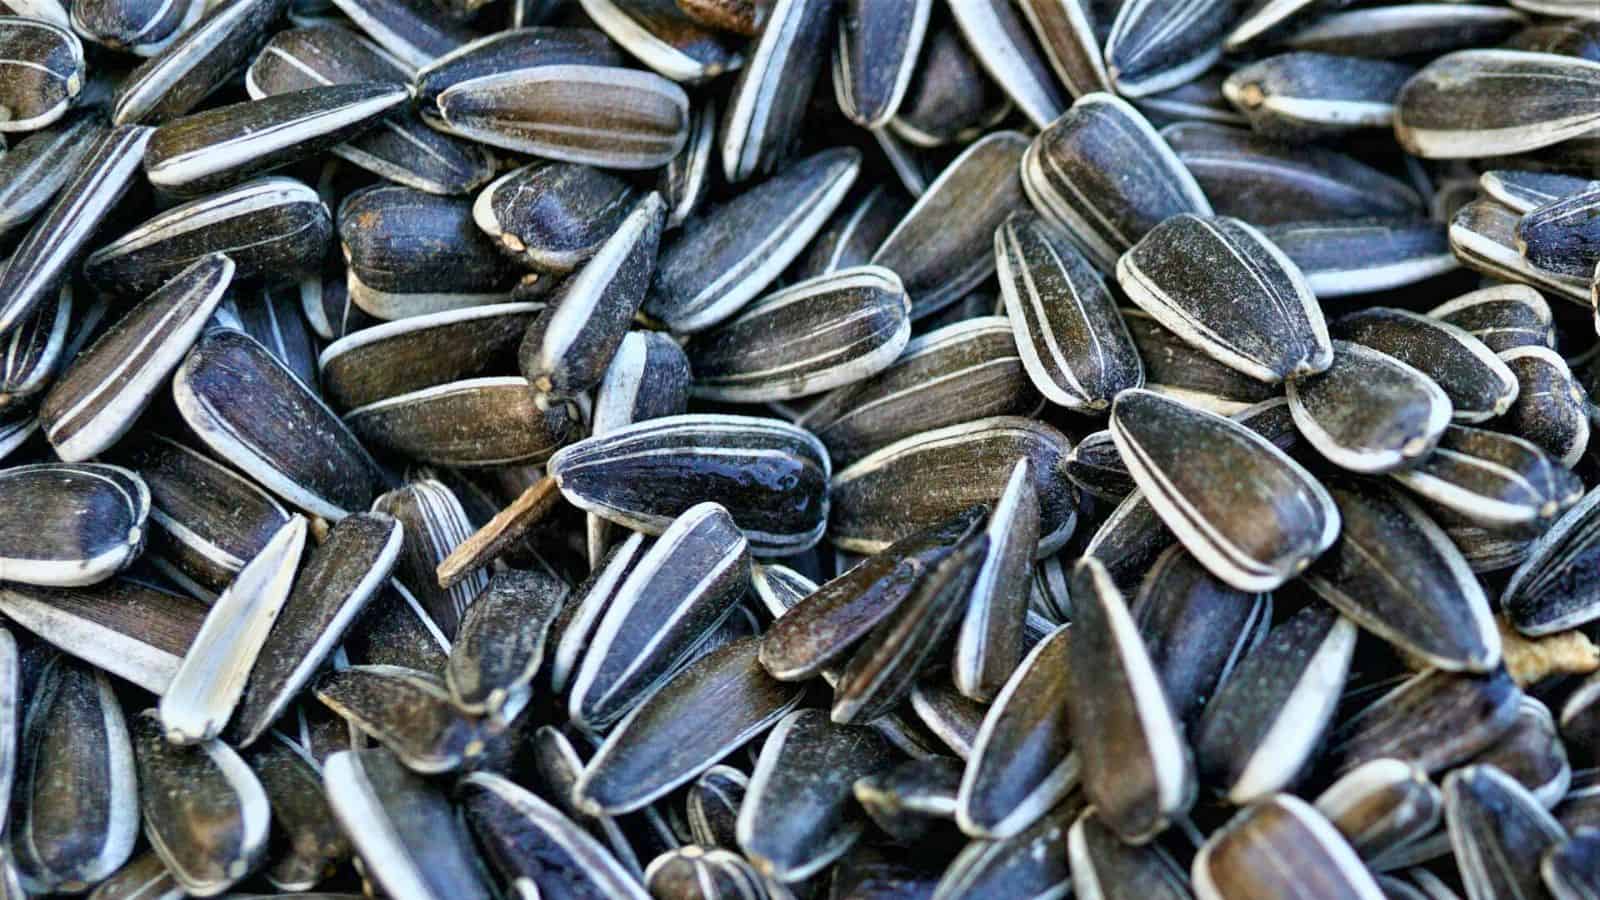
949 100
1382 805
1035 863
342 574
1286 337
938 249
209 683
668 739
42 258
108 385
325 471
1494 480
797 815
991 641
644 475
855 323
1499 832
1526 191
1435 719
392 238
648 379
76 800
694 872
506 51
220 147
1073 343
131 26
34 350
1369 412
685 181
630 119
1568 869
1154 45
663 38
74 524
909 800
1483 236
1260 731
766 106
1065 174
978 457
1267 182
1479 385
1137 770
1551 409
853 235
898 649
667 607
408 712
1532 753
1307 95
1552 591
410 30
1561 236
1356 256
1104 868
1066 34
728 254
1199 100
198 61
1096 468
1179 369
500 644
713 803
431 424
1253 541
875 57
308 841
271 228
1495 102
977 358
553 216
205 813
1280 847
567 348
41 72
413 843
1005 48
537 849
39 165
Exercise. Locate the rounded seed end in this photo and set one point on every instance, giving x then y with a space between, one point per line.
1252 95
474 748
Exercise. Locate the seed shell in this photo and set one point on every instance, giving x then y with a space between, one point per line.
492 421
768 101
130 629
1499 832
174 81
1277 847
501 642
1357 256
73 524
876 56
663 38
1154 45
1496 102
41 71
1006 50
409 712
39 165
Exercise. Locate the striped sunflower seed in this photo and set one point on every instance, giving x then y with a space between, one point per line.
1267 182
1369 412
507 51
1035 863
309 842
1196 628
559 764
434 523
109 384
1551 409
1077 173
395 630
132 630
76 800
491 421
1496 481
1006 50
767 105
1137 770
949 714
272 228
1307 95
798 813
1022 763
929 477
1492 102
405 830
501 642
1401 30
977 358
1483 236
567 348
663 38
39 165
1105 867
1179 369
535 848
1261 730
42 70
1095 466
186 71
1409 722
630 119
693 872
400 147
45 254
205 813
1279 847
1568 869
1381 806
831 330
207 688
673 736
991 642
908 801
411 31
218 148
712 806
1562 236
672 600
939 249
686 181
1067 35
34 351
876 56
1503 317
553 216
75 524
644 475
854 234
1156 45
575 625
722 258
1525 191
1553 589
409 712
1254 539
1073 343
338 579
1533 754
1498 831
218 390
1479 385
139 27
1357 256
1283 337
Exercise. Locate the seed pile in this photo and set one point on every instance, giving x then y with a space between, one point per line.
799 449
